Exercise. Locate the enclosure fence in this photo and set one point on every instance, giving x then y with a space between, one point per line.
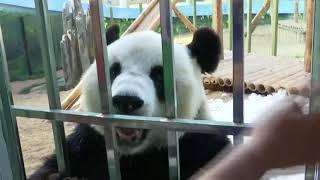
11 160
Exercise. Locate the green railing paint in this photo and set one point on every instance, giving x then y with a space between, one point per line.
312 172
8 123
48 56
169 85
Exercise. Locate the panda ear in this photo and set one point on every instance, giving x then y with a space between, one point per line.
206 48
112 33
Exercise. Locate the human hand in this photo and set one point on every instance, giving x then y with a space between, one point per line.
286 136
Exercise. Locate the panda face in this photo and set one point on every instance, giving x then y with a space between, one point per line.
136 75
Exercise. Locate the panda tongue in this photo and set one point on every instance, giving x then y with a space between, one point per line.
129 134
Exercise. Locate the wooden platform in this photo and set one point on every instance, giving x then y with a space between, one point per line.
263 75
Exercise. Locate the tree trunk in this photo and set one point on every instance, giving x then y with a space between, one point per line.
309 33
217 21
296 11
76 44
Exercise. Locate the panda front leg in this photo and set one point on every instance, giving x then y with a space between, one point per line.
87 157
204 112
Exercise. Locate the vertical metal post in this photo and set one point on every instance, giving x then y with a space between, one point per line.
8 123
274 19
249 17
5 165
238 67
104 85
312 172
230 22
194 13
169 84
48 56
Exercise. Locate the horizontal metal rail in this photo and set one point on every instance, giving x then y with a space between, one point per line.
201 126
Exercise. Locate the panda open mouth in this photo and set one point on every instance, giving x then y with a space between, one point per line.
130 136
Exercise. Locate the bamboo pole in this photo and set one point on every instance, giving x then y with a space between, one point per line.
256 20
230 20
249 16
194 13
309 34
275 9
217 21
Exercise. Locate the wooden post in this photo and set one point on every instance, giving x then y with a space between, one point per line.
217 21
249 15
308 45
305 11
296 11
274 19
195 13
25 45
230 22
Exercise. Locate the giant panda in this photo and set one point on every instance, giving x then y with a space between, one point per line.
137 87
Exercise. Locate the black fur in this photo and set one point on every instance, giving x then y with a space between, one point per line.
112 33
115 70
156 74
88 158
206 48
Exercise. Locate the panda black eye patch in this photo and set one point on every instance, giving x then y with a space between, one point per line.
156 74
115 70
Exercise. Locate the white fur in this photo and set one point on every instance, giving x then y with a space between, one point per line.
138 53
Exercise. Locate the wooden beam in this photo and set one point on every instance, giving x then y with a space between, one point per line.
308 45
185 21
256 20
217 21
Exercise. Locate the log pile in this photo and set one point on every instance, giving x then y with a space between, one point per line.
263 75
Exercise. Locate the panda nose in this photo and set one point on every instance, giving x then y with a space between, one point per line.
127 104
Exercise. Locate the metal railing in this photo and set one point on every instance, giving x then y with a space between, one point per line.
9 112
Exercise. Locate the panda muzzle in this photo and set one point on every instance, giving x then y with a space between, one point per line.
129 134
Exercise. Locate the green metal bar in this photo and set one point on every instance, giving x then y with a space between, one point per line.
48 56
312 172
9 129
274 19
230 20
249 17
194 13
5 165
204 126
100 40
169 84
